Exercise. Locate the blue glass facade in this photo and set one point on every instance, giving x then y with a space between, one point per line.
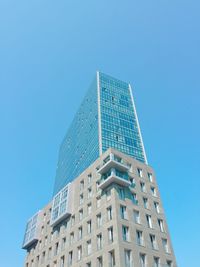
80 146
119 125
106 118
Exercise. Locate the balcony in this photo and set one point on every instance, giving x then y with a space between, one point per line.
114 176
113 161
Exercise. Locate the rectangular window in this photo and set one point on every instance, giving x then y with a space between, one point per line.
111 259
80 214
136 216
89 247
98 202
149 221
99 220
100 261
89 193
134 199
150 176
123 212
70 258
140 174
109 213
56 249
157 207
79 253
169 263
99 241
143 261
153 242
156 262
125 233
89 208
63 243
153 191
89 227
80 233
81 185
165 245
139 236
142 186
161 225
62 261
81 199
71 239
128 258
110 234
89 178
146 202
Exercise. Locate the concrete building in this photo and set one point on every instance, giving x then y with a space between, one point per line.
110 215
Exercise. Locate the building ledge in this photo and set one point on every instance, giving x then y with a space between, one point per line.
114 179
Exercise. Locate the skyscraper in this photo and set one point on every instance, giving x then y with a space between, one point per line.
106 210
106 118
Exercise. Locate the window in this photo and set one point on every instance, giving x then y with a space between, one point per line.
89 193
169 263
128 258
99 241
81 199
153 191
89 247
142 186
81 185
89 227
146 202
88 264
134 199
99 220
143 260
80 233
62 261
55 264
98 202
140 174
139 236
108 194
89 208
109 213
100 261
157 208
110 234
43 257
56 249
165 245
63 243
156 262
49 254
153 242
121 193
149 221
111 258
136 216
79 253
89 178
161 225
125 233
80 214
150 177
123 212
71 239
70 258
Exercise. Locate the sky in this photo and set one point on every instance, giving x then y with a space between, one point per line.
49 53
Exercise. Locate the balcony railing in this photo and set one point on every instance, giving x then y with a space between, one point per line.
113 161
114 176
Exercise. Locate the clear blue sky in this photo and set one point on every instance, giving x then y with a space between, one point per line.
49 52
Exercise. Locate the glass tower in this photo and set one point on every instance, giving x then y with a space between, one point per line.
106 118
